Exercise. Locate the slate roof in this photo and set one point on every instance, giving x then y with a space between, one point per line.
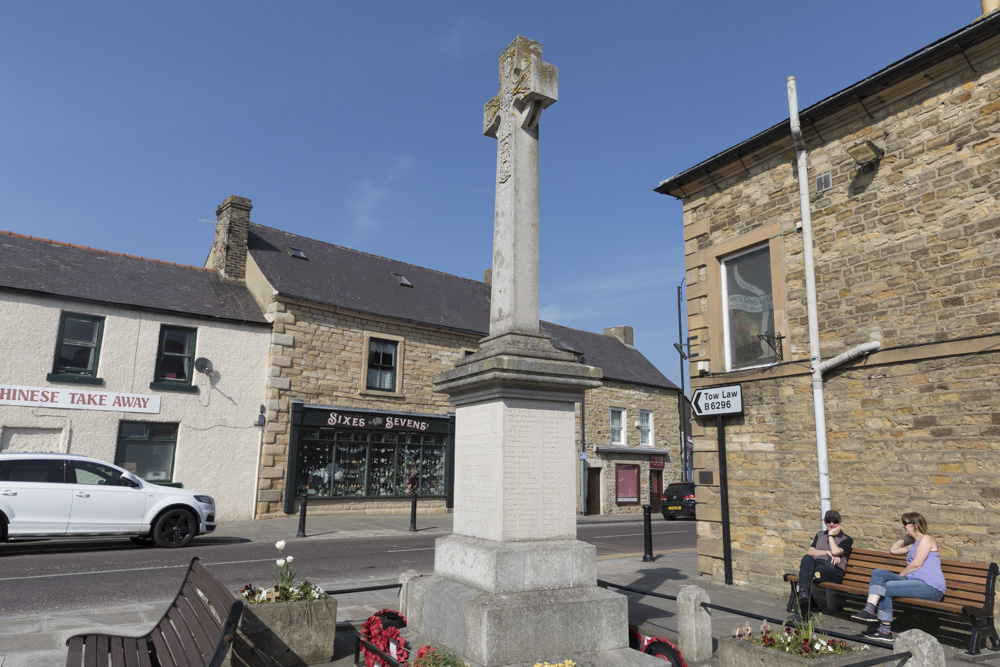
341 277
77 272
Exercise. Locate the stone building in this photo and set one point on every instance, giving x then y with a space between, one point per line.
357 338
101 355
906 255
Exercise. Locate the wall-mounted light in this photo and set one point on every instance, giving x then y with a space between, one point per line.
260 418
865 153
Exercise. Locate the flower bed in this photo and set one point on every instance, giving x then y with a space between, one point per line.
787 645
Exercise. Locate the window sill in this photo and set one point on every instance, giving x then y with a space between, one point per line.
73 378
170 386
383 394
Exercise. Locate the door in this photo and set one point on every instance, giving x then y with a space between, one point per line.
593 491
655 488
35 497
100 503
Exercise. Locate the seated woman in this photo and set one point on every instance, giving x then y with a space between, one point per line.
921 578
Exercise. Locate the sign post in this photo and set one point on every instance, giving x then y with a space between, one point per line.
719 402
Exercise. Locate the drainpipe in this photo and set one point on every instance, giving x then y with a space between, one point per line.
816 364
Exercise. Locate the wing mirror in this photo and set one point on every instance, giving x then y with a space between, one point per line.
130 480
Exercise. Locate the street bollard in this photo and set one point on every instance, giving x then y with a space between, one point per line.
647 529
302 511
413 512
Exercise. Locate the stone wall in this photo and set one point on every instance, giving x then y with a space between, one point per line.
666 436
316 357
907 254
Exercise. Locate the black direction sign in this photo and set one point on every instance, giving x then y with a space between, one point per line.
727 400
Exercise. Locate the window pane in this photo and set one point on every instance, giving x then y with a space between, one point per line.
152 462
316 468
628 483
381 365
750 308
645 427
133 430
409 469
163 431
174 368
432 472
94 474
383 470
177 342
80 331
35 471
349 470
74 356
617 417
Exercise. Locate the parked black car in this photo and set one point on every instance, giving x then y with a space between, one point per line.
678 501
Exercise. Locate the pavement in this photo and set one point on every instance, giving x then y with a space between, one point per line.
39 640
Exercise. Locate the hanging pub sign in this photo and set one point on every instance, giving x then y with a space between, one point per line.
655 461
375 421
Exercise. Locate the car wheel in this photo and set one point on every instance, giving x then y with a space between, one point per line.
142 541
174 528
3 528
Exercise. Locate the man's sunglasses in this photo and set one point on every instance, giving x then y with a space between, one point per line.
832 521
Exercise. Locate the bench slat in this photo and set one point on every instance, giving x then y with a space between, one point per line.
199 622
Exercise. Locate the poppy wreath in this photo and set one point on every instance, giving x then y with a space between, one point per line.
392 638
662 647
381 628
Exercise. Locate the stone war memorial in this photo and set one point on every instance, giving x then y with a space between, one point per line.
512 585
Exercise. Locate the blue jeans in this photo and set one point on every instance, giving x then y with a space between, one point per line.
890 585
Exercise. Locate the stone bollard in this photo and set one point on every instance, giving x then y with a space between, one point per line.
694 624
926 650
404 579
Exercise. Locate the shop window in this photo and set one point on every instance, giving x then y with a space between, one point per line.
337 463
78 349
146 449
645 428
749 308
627 483
382 364
174 359
617 426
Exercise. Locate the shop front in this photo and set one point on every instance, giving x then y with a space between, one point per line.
368 460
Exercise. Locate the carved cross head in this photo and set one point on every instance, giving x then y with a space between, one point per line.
527 85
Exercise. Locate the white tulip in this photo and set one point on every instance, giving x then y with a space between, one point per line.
280 544
289 559
280 562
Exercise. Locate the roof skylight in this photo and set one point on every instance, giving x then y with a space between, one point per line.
402 280
296 253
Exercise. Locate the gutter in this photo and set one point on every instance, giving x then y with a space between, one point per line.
958 41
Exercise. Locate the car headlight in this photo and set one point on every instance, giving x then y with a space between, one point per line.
205 499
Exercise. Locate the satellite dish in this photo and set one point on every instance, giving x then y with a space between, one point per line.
203 365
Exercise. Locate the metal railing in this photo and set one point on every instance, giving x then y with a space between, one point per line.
363 589
746 614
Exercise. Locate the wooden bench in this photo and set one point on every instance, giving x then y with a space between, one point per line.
197 629
969 596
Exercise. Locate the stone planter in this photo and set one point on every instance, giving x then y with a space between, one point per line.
290 634
741 653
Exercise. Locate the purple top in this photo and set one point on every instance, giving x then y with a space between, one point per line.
930 572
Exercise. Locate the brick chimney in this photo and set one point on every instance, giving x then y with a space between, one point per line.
229 251
623 333
990 6
488 276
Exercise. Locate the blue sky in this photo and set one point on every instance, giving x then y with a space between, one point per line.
124 124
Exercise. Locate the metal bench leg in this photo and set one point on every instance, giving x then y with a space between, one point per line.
792 597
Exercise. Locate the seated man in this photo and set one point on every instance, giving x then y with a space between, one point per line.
827 555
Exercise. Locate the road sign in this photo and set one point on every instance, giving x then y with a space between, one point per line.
714 401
